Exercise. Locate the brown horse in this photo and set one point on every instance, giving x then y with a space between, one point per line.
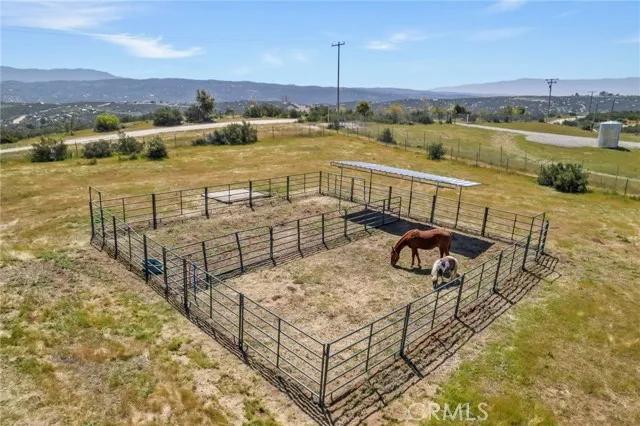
425 240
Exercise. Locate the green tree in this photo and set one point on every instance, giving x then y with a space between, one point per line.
106 122
396 113
48 149
167 116
459 109
156 149
363 108
202 110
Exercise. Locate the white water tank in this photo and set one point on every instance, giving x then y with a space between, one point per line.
609 134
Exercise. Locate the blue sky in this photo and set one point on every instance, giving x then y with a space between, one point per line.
418 45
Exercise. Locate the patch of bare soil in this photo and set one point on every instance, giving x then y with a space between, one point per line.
236 218
334 291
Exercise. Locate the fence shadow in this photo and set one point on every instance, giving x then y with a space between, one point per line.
425 356
465 245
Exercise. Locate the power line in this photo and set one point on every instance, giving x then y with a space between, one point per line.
550 82
338 44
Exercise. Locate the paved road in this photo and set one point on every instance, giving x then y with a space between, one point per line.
158 130
553 139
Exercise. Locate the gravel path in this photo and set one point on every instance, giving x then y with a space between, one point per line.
553 139
158 130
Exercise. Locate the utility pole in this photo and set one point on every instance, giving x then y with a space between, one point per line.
590 101
338 44
613 104
550 82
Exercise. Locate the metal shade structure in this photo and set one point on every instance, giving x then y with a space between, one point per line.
406 174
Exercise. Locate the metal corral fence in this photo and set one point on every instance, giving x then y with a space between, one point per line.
476 155
323 370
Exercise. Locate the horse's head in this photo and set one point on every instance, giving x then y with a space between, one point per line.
394 256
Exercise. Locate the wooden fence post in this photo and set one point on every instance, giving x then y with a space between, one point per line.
288 188
539 245
124 211
146 257
185 286
410 198
129 238
345 223
458 208
278 344
101 215
181 208
320 183
115 238
204 257
435 308
526 252
495 279
323 372
351 196
384 205
93 225
480 280
433 207
239 252
153 211
250 194
271 243
405 326
389 196
206 202
298 231
322 219
164 271
366 364
461 284
241 322
484 221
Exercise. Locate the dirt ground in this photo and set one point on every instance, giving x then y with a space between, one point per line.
237 218
332 292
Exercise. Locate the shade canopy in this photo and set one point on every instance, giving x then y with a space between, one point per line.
413 175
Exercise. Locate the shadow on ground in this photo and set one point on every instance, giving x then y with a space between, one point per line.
421 359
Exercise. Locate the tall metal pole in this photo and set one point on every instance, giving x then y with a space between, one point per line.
550 82
590 102
338 44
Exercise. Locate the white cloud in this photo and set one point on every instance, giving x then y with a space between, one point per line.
505 6
64 16
147 47
630 40
83 18
497 34
300 56
272 59
394 40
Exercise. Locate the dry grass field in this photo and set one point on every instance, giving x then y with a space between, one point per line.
83 341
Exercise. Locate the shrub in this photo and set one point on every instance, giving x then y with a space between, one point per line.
156 149
48 149
334 125
127 145
98 149
386 136
435 151
233 134
167 116
106 122
564 177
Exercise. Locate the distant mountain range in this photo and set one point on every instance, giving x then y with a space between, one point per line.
84 85
538 87
30 75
